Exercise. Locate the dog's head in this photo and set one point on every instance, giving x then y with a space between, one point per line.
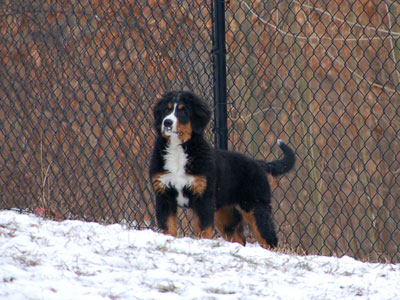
181 114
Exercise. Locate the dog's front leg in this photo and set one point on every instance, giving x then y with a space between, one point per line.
204 218
166 214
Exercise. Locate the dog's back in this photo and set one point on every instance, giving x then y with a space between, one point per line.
239 176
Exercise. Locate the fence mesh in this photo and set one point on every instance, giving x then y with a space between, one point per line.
323 75
79 78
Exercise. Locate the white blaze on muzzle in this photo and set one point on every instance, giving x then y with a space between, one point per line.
169 123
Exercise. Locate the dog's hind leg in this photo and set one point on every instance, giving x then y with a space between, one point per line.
229 223
260 222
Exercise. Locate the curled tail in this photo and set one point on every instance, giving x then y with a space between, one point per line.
280 166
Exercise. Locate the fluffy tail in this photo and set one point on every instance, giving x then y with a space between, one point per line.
281 166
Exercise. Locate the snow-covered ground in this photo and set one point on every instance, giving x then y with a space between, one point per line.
42 259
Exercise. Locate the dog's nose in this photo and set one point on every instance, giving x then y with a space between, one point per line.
168 123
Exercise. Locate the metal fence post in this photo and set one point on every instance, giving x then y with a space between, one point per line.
219 56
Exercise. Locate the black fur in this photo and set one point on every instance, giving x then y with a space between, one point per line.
232 179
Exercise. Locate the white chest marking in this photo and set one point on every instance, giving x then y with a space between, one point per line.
175 161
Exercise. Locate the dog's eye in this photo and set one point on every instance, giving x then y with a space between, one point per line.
181 112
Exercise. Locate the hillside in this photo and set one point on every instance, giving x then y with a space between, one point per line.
43 259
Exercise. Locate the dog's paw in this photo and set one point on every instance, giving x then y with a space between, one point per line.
158 184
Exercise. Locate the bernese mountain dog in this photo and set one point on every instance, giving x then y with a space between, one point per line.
224 189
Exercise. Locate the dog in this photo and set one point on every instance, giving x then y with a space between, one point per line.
224 189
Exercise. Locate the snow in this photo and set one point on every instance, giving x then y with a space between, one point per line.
43 259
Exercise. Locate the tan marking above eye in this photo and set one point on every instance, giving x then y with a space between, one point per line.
170 105
181 106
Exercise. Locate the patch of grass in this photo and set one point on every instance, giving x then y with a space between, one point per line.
162 248
26 261
248 260
304 266
287 249
8 279
219 291
167 287
8 230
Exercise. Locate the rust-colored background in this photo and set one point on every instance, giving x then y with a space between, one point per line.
78 80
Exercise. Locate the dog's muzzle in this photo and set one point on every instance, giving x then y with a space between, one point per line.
168 127
168 124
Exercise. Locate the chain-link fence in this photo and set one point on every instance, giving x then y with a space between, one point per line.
79 78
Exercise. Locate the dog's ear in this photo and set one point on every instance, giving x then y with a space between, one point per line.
201 113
